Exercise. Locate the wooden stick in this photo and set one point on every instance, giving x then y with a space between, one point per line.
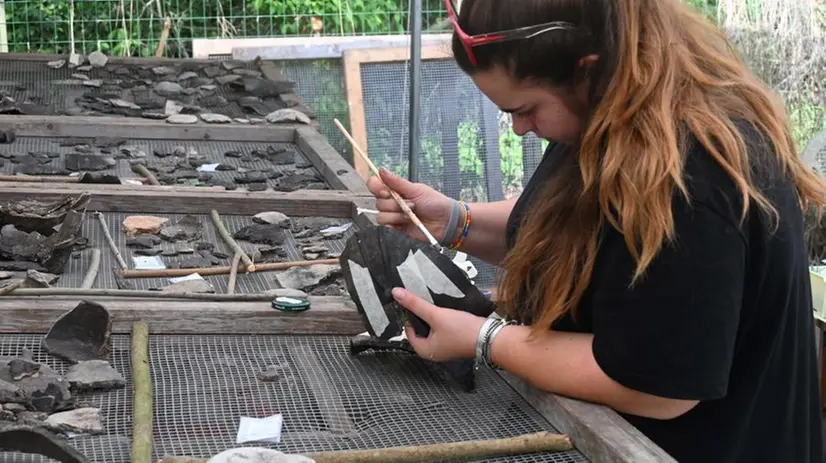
182 272
47 179
92 271
222 230
167 27
149 176
233 273
402 204
451 451
142 384
94 292
112 245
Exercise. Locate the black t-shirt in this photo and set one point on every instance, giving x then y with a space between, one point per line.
724 316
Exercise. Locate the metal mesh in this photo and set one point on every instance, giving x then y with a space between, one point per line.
815 153
213 150
329 400
246 283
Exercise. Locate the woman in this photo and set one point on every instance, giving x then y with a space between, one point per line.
655 262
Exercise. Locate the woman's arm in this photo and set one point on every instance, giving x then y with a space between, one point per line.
486 238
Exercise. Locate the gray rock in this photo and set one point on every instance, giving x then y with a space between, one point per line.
84 333
11 393
165 88
120 103
46 391
35 279
22 368
306 278
163 70
93 83
287 115
239 120
214 118
187 75
182 119
143 241
227 78
85 68
154 115
257 455
6 275
272 218
286 292
56 64
94 374
172 107
74 60
269 374
80 420
189 286
208 87
13 407
188 228
78 162
98 59
79 76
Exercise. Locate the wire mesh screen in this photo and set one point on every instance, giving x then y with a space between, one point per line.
329 400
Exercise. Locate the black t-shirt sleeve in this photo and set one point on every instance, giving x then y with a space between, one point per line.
672 334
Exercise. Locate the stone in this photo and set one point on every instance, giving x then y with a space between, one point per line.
185 250
153 115
182 119
6 275
85 420
74 60
94 375
80 76
11 393
302 162
287 115
85 68
187 75
257 186
229 78
13 407
295 182
208 87
315 249
213 118
257 121
189 286
147 252
225 167
272 218
44 391
257 455
168 89
121 103
97 59
56 64
229 65
169 252
77 162
143 241
35 279
194 262
233 154
202 246
269 374
172 107
307 278
272 235
188 228
213 101
84 333
239 120
163 70
144 224
314 225
221 255
96 83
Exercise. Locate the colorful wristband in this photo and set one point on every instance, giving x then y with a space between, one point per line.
465 228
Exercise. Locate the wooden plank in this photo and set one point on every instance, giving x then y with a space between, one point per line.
327 47
146 61
364 220
160 200
336 171
596 431
327 315
395 54
138 128
204 48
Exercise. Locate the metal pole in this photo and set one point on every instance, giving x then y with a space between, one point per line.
415 85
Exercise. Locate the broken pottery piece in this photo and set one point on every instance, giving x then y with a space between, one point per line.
269 374
377 259
193 262
80 420
272 235
168 89
22 368
147 252
94 375
257 455
11 393
56 64
35 279
307 278
257 186
189 286
143 241
182 119
272 218
81 334
97 59
76 162
34 439
188 228
43 391
213 118
287 115
144 224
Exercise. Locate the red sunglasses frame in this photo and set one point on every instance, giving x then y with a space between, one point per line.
527 32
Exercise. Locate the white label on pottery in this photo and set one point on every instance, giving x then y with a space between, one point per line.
336 229
370 301
437 281
412 278
288 300
148 263
208 167
260 429
192 276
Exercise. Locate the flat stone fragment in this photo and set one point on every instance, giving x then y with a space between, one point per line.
97 59
163 70
213 118
272 218
187 75
97 83
77 162
287 115
94 375
13 407
79 76
84 333
182 119
20 368
80 420
269 374
165 88
11 393
306 278
189 286
272 235
35 279
257 455
121 103
188 228
144 224
56 64
45 391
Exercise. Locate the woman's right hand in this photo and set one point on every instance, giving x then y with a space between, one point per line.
430 206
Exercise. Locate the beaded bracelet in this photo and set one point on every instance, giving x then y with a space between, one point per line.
465 228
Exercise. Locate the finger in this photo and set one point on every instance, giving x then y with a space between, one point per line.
392 218
415 304
377 187
419 344
390 205
403 187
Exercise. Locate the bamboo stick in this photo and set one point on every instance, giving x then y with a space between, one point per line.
222 230
112 245
182 272
451 451
81 292
142 384
149 176
233 274
92 271
11 287
48 179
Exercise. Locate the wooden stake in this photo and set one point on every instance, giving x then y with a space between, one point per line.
222 230
143 397
112 245
11 287
233 274
452 451
92 271
182 272
149 176
80 292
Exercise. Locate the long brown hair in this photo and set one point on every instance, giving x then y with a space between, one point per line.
664 74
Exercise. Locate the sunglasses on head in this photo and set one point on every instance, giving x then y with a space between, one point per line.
470 41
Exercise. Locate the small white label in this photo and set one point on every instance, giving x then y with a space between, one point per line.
260 429
288 300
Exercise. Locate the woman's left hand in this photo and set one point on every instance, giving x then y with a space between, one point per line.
452 335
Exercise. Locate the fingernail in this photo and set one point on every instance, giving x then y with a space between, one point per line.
385 193
398 293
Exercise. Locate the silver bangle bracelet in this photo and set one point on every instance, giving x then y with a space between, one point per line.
482 339
489 343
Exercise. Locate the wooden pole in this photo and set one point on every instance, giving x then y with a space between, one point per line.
182 272
143 396
149 176
112 245
222 230
92 271
233 275
12 290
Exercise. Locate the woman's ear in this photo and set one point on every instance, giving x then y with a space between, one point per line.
584 74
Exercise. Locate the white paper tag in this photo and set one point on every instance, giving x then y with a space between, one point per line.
148 263
208 167
260 429
336 229
192 276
